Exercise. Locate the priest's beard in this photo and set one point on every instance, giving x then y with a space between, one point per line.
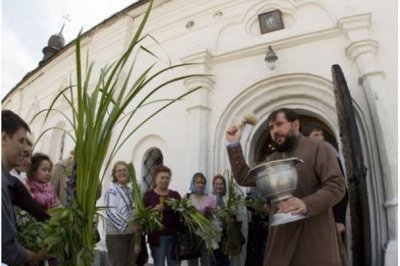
289 142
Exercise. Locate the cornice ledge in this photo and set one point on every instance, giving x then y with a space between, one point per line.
364 76
198 106
357 48
290 41
202 57
355 22
390 203
207 82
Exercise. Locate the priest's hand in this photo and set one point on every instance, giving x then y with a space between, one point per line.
293 205
233 134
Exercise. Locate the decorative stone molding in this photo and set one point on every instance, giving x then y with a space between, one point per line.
363 53
390 203
200 98
199 108
202 64
356 27
289 41
362 50
357 48
202 59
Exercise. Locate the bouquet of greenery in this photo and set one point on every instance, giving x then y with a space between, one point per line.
147 219
30 232
232 238
195 221
64 236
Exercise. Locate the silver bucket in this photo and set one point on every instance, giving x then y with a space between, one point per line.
277 180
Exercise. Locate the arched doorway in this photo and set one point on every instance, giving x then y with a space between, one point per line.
309 94
312 97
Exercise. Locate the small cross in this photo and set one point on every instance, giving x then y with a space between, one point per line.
66 17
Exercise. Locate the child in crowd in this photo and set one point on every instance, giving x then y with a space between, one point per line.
39 176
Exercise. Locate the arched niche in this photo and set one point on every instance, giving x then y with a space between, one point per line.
309 94
150 145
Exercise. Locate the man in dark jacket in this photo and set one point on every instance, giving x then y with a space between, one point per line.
13 136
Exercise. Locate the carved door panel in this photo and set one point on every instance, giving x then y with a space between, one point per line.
355 171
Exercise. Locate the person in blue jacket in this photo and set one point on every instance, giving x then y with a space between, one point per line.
13 137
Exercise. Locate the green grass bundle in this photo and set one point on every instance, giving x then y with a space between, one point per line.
195 221
147 219
232 238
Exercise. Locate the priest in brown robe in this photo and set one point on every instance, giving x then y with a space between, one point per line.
309 241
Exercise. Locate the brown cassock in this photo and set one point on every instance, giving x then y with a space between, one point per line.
314 240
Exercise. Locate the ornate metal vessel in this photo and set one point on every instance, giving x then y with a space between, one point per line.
277 180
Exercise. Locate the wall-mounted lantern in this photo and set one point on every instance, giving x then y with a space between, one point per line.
271 58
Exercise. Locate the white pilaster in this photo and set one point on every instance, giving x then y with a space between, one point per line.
362 51
199 110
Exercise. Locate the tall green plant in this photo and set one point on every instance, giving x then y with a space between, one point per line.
95 111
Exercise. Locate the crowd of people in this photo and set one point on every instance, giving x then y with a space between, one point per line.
30 183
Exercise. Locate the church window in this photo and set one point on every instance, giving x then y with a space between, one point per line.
152 158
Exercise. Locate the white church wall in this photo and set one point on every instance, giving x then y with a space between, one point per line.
226 35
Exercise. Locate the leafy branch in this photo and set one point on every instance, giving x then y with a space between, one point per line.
148 219
194 220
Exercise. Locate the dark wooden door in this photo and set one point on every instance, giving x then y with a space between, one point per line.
355 171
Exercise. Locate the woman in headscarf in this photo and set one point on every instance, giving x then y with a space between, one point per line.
219 191
204 203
